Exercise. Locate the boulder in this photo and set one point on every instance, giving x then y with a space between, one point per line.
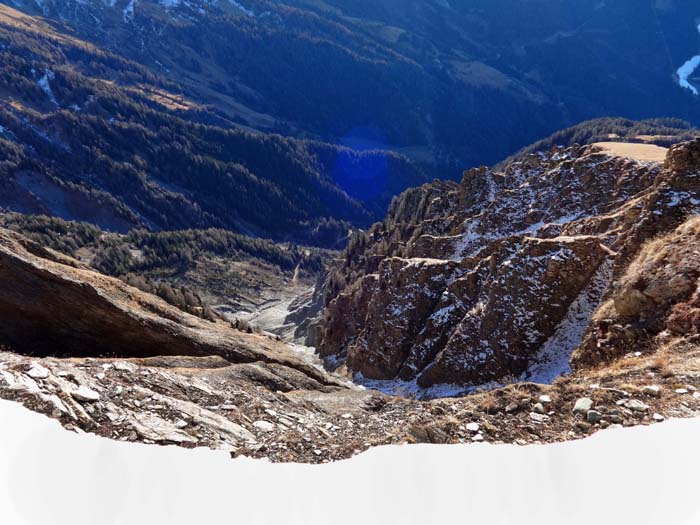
593 417
684 157
583 405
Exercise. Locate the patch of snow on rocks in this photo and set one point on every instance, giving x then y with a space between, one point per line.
553 358
410 389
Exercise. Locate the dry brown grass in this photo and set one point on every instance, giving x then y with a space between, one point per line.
667 255
563 383
642 152
489 403
661 364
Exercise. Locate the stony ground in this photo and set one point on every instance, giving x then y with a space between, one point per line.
208 402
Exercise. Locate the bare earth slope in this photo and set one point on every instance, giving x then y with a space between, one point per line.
640 152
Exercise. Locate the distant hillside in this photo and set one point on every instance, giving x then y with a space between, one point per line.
195 270
662 132
299 120
452 84
88 135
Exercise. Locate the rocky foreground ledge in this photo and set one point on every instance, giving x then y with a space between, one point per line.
207 402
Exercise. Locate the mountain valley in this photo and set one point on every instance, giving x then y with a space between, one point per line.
618 312
300 229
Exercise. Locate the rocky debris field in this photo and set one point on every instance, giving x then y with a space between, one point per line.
248 410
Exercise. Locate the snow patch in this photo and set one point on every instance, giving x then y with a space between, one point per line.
43 467
242 8
410 389
686 70
45 85
128 12
552 360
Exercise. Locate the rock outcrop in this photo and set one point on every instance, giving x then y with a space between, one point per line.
655 300
501 274
52 305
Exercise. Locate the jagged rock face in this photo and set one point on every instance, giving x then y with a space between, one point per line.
51 305
340 330
655 300
684 157
519 305
512 255
406 293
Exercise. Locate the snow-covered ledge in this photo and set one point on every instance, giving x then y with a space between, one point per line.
639 475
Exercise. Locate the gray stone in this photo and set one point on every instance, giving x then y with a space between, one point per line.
636 405
264 426
593 416
539 418
583 405
513 407
651 390
473 427
539 408
85 394
38 372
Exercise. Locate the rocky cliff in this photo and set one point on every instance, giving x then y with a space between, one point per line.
506 273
